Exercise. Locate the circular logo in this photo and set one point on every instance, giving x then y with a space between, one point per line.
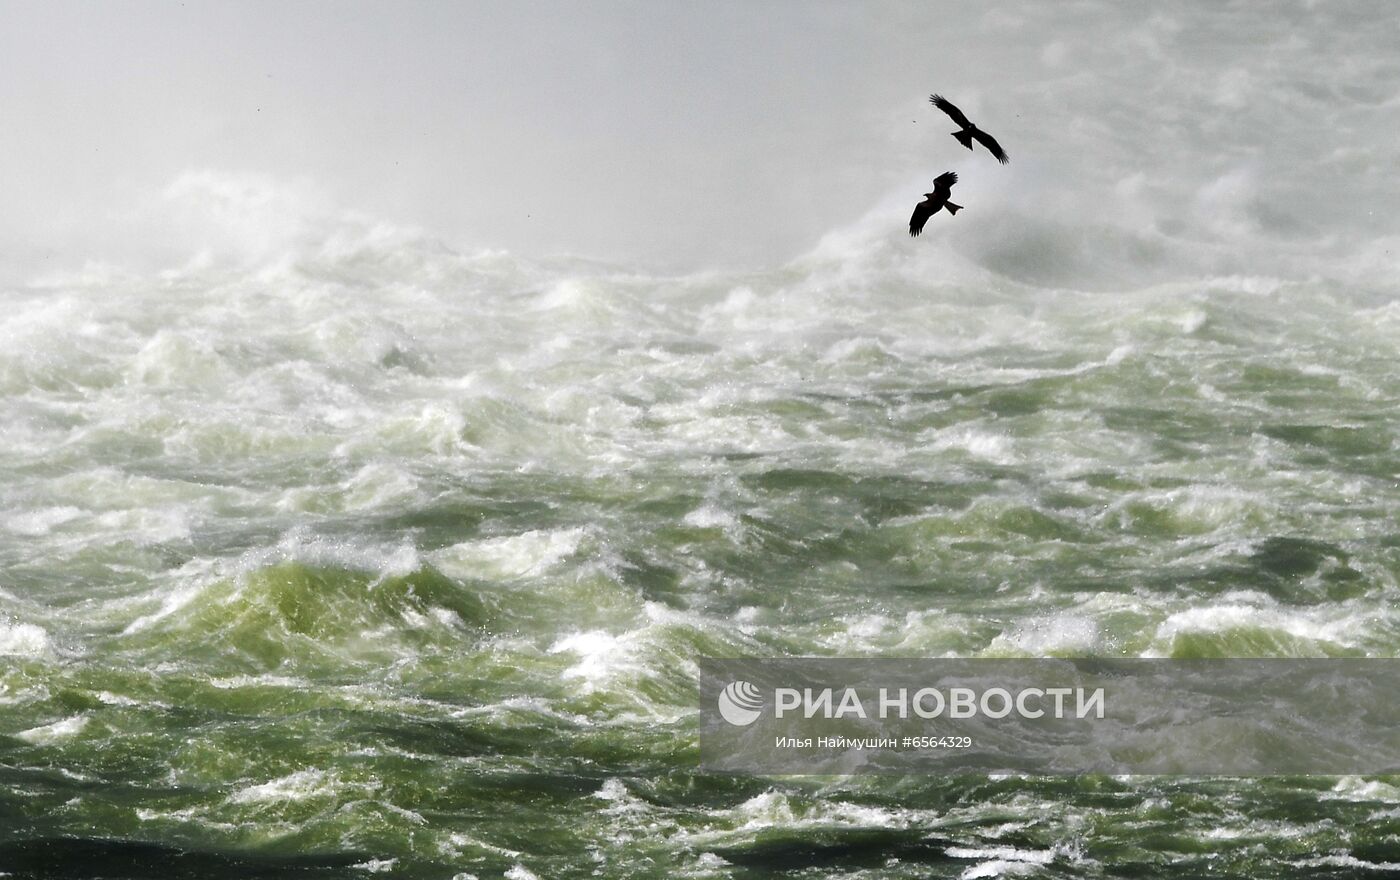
740 703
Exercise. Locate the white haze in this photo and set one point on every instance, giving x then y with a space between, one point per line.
1148 141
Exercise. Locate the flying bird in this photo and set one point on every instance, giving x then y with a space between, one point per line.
969 131
933 201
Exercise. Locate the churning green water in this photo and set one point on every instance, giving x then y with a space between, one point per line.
386 559
336 552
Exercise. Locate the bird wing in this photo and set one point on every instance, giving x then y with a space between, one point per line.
991 144
943 184
946 106
922 211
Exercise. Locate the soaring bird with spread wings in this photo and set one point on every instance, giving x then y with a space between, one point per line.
934 201
969 131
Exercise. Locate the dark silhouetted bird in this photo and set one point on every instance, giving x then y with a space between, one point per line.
942 189
969 131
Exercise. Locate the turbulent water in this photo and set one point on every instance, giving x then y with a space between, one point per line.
387 558
355 553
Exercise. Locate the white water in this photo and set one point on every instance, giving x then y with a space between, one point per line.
274 450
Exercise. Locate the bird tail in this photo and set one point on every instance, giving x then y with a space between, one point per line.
952 208
964 137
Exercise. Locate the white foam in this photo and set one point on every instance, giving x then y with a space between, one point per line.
1118 355
1336 626
112 699
379 485
526 554
456 840
998 868
1003 853
773 809
299 786
24 640
376 866
1353 788
988 445
711 516
612 790
1068 632
34 523
1351 862
602 656
147 526
65 728
175 359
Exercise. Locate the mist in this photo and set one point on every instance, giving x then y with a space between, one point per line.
726 135
665 134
